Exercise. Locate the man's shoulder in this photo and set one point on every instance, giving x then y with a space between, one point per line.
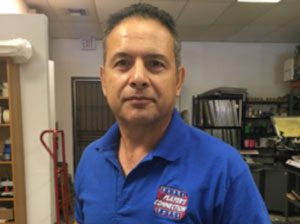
203 141
98 146
97 143
93 157
105 142
89 153
211 151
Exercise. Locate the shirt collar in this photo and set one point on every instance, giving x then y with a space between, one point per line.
169 147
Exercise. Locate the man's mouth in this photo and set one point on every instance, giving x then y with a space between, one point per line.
138 100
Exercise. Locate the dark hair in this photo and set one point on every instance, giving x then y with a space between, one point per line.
148 12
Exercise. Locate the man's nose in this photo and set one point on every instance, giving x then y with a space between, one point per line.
139 79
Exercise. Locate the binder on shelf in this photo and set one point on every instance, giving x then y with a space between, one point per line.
216 112
212 110
230 136
200 112
296 194
219 112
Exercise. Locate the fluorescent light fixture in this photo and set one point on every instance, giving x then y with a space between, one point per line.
13 7
260 1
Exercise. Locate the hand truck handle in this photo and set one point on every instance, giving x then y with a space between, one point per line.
45 144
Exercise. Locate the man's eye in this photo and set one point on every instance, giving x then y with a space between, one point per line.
155 65
123 63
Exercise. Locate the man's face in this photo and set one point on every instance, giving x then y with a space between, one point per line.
139 77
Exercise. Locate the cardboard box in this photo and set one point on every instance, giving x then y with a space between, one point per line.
6 213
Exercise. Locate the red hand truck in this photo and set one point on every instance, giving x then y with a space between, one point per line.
61 182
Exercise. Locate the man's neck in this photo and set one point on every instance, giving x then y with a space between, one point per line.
136 142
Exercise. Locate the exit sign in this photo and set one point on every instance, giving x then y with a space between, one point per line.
88 43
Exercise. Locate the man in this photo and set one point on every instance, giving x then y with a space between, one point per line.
151 167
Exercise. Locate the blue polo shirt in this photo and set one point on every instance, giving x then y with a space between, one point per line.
189 177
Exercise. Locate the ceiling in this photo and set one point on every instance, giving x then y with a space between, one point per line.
197 20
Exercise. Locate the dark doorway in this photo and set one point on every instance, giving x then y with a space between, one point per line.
92 116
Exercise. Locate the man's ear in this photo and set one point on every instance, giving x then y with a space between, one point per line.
102 79
180 79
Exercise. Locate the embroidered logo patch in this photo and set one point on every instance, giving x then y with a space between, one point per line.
171 203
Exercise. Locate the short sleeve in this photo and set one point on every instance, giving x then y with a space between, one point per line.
78 211
79 217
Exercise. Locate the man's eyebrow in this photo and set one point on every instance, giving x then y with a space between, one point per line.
146 56
157 56
120 55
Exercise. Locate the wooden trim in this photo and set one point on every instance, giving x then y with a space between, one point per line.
16 137
4 125
3 98
6 199
2 162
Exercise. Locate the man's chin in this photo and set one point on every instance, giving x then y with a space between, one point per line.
139 118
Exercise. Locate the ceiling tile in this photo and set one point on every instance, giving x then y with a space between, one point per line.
213 1
105 8
280 14
283 34
201 13
289 1
70 3
190 33
198 20
294 22
251 33
242 13
83 29
43 7
61 6
219 33
173 7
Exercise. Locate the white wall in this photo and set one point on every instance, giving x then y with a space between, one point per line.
255 66
35 111
71 61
